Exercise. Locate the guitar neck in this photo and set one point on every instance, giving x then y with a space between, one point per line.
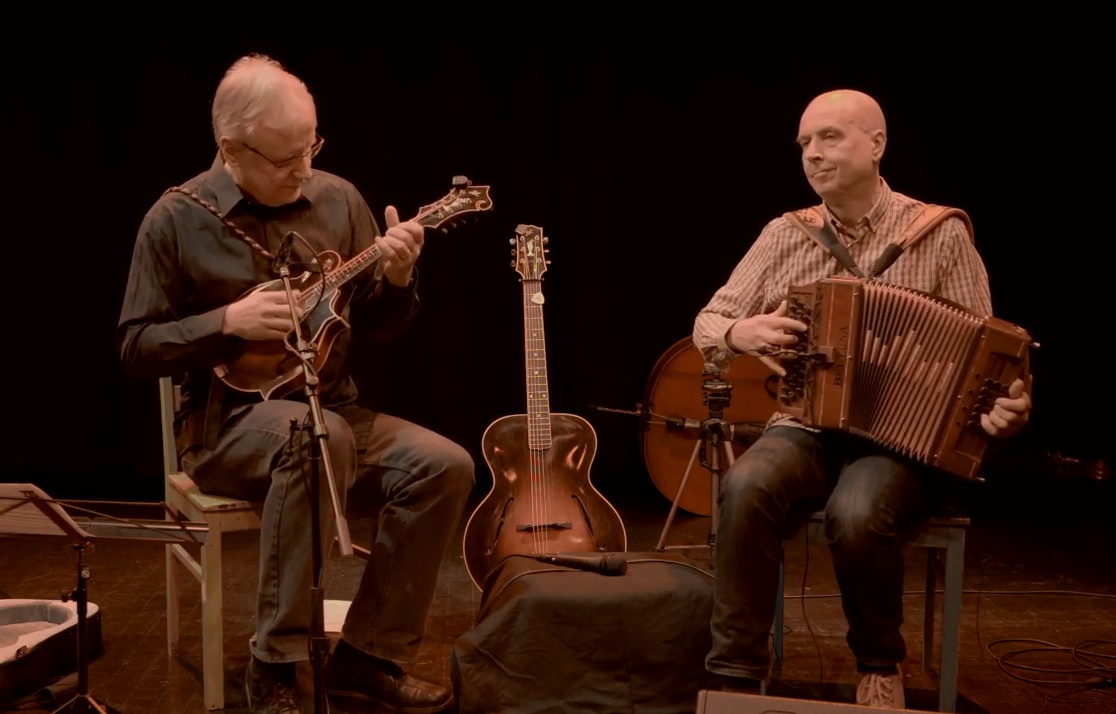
538 397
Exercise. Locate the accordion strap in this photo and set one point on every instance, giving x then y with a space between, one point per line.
812 222
927 219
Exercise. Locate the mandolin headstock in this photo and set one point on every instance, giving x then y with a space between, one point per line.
463 199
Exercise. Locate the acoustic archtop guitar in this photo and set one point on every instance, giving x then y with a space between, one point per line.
273 369
542 501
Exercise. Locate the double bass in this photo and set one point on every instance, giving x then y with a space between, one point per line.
673 396
542 500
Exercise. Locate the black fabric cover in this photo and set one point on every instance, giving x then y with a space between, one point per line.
550 639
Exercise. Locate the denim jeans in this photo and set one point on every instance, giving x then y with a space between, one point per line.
871 502
413 481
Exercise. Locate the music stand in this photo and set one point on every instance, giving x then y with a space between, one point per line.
34 513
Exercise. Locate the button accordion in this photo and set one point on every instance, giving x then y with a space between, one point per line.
907 370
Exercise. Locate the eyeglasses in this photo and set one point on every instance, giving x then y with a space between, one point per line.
288 163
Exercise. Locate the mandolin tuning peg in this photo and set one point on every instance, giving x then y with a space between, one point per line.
511 241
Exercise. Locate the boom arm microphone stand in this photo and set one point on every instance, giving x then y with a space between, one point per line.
319 454
716 395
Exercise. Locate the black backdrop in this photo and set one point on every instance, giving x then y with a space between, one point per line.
651 158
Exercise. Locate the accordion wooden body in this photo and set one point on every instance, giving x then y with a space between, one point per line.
909 371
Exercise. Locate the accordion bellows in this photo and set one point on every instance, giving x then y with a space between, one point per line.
909 371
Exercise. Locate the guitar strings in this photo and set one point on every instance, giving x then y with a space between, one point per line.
535 429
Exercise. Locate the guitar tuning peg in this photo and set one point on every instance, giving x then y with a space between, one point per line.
511 241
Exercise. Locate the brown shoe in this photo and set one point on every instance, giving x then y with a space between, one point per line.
270 688
353 674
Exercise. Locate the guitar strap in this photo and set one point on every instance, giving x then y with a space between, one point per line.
812 222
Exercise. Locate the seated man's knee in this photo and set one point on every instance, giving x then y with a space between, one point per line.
863 506
761 471
342 445
459 469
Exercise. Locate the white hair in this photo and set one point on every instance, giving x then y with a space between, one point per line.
254 85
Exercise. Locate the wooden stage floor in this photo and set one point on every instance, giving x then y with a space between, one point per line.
1040 574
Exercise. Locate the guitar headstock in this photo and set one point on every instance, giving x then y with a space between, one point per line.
529 252
463 198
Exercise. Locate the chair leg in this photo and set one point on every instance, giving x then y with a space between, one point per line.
930 610
777 629
951 621
172 602
213 640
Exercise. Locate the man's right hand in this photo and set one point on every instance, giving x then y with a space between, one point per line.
262 315
762 335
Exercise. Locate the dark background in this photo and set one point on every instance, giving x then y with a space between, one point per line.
651 155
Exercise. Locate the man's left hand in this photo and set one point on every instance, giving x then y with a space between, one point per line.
401 243
1009 413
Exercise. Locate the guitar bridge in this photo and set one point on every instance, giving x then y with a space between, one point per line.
545 526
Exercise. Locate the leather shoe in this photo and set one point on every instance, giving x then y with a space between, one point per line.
352 674
270 688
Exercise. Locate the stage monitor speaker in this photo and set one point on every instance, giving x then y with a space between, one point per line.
710 702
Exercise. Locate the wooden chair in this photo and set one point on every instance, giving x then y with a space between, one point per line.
222 515
944 538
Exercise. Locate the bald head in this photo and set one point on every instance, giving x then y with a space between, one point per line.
842 135
856 107
257 92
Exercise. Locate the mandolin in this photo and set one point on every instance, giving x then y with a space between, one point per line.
273 368
542 500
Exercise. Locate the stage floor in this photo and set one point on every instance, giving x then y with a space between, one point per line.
1034 561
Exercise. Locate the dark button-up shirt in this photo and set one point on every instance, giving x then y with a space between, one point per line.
187 266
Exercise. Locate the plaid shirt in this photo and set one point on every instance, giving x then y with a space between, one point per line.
945 262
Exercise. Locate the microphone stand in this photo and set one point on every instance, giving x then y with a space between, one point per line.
716 394
319 455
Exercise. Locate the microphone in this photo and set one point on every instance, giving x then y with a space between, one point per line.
607 564
283 255
678 423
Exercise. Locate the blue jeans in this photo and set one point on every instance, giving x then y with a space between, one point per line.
413 481
871 499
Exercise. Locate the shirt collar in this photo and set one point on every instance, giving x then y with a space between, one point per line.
871 220
227 195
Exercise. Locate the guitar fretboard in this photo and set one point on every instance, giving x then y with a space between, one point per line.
538 397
